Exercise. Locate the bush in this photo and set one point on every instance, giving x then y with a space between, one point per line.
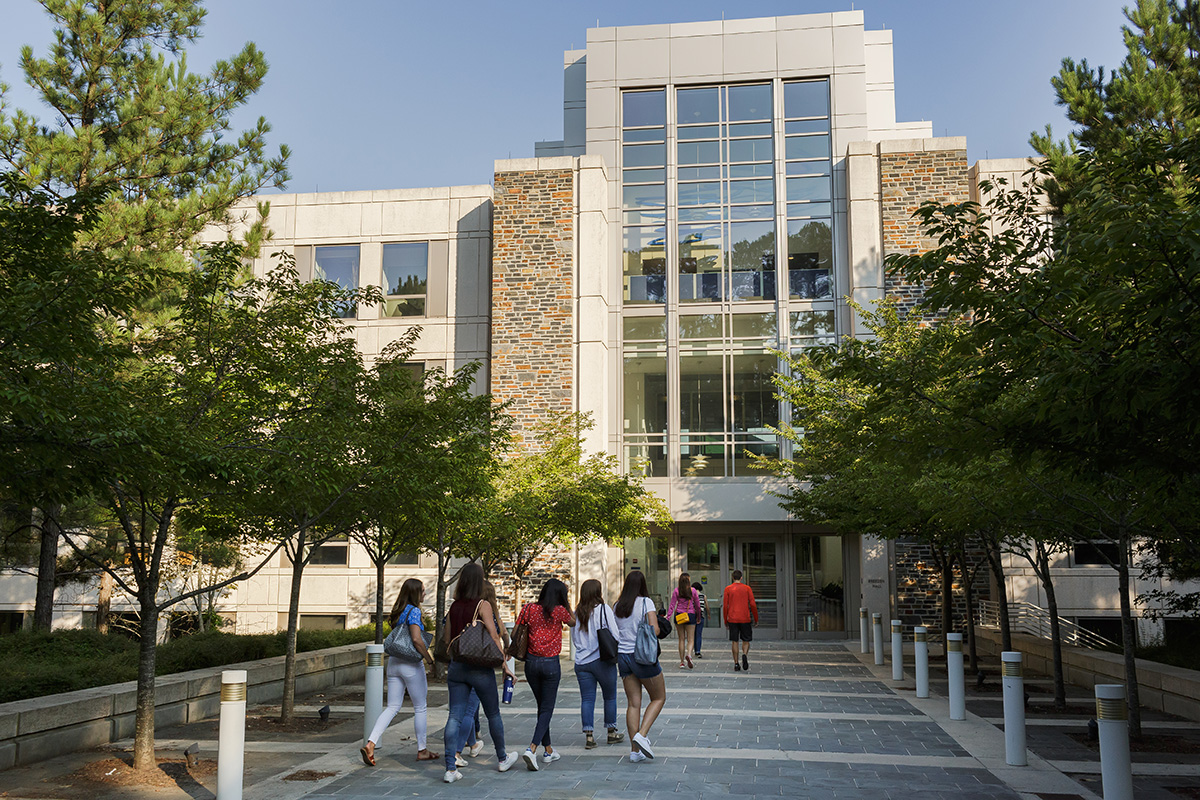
39 664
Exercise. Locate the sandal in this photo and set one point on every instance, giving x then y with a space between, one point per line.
368 758
429 756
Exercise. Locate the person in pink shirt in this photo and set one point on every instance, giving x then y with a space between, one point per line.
684 610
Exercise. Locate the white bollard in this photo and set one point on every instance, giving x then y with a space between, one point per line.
954 668
863 625
1112 718
921 659
1014 709
373 693
877 623
897 650
231 742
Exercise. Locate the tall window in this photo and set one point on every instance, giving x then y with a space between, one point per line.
644 196
338 264
405 279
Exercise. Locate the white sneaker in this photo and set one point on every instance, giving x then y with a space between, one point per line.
635 757
451 776
643 743
530 760
459 761
548 757
508 761
475 749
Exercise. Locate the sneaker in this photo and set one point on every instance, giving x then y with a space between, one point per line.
643 743
508 761
591 743
615 736
745 663
737 667
459 761
475 749
451 776
530 760
699 656
635 756
689 662
548 757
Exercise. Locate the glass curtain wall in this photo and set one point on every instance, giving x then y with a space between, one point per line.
705 297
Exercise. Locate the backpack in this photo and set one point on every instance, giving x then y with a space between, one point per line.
645 648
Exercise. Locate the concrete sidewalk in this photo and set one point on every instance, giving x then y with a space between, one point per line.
810 719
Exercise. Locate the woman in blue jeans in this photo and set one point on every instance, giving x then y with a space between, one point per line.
543 671
591 615
462 678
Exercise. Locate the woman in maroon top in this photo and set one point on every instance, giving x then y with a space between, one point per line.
545 619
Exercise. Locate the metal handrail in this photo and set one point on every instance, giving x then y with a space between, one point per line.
1035 621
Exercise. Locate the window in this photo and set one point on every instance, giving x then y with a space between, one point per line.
316 622
12 621
339 265
332 553
405 559
1096 554
405 279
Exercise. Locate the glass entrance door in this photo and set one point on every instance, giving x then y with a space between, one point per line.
704 561
759 563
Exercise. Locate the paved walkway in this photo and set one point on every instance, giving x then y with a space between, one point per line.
811 719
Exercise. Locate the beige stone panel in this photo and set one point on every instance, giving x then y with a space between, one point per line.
417 218
593 255
849 90
749 53
335 222
18 590
866 257
320 588
602 60
881 108
600 35
256 621
470 290
643 59
750 25
720 499
848 46
592 395
705 28
800 21
805 48
696 58
865 297
628 33
321 198
877 50
593 323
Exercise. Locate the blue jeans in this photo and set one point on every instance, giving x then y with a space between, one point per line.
590 675
460 680
699 633
544 673
468 726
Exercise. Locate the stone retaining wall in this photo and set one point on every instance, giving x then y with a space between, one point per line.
1161 687
43 727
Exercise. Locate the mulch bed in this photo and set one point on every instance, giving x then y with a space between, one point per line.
304 724
309 775
1152 743
120 772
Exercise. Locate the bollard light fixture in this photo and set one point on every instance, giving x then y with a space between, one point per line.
324 712
192 754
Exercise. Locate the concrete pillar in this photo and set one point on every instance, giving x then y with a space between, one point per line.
1014 709
231 741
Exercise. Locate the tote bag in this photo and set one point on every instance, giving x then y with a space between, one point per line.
608 642
518 646
475 645
399 645
645 647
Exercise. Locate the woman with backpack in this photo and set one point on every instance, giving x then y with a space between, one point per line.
684 610
637 662
543 671
594 619
404 677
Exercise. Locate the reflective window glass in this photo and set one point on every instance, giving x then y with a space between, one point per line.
810 244
405 273
643 195
698 132
699 152
751 170
644 155
750 150
639 109
645 393
762 191
646 457
808 167
809 210
817 188
744 453
699 194
645 265
643 175
706 214
752 212
806 99
700 263
812 326
754 326
338 264
703 456
750 102
697 105
699 326
647 329
702 394
807 147
751 257
810 284
754 405
750 129
806 126
699 173
644 135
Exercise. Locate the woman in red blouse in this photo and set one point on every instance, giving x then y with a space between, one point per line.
543 671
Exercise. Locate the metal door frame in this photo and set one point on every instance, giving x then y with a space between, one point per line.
783 611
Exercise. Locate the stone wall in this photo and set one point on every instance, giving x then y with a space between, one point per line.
908 179
533 325
919 585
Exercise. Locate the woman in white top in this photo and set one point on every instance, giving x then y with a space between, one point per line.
593 614
633 606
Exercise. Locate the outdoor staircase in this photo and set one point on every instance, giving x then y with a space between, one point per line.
1034 620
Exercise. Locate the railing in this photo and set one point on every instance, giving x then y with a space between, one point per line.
1035 621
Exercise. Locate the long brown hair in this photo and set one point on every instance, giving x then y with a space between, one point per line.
685 586
410 595
635 587
489 594
590 596
470 582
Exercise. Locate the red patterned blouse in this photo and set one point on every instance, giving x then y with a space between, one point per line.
545 635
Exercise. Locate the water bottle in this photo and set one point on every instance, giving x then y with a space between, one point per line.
508 688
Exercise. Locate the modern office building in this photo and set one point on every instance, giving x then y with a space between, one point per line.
721 190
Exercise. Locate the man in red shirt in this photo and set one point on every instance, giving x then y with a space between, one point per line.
738 607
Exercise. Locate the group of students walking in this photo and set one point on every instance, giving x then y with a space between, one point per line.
633 622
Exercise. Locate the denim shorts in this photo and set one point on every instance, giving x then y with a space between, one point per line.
627 666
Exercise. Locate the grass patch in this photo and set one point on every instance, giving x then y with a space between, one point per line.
39 664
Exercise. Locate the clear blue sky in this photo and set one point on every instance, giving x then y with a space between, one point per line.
374 94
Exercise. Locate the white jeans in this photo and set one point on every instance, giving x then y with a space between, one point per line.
403 678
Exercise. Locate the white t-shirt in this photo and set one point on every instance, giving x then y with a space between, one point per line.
587 644
627 627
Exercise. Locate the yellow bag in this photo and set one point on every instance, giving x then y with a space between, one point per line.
682 618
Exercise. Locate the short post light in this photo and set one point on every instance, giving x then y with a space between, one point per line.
231 741
954 668
897 650
921 659
373 692
877 624
1014 709
864 625
1112 720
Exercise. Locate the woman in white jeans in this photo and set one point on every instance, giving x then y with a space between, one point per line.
402 677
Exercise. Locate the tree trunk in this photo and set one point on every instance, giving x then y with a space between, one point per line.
1129 639
969 588
947 597
443 563
104 601
379 570
1043 570
43 608
288 704
143 730
996 564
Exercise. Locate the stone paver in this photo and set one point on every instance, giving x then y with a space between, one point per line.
810 720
